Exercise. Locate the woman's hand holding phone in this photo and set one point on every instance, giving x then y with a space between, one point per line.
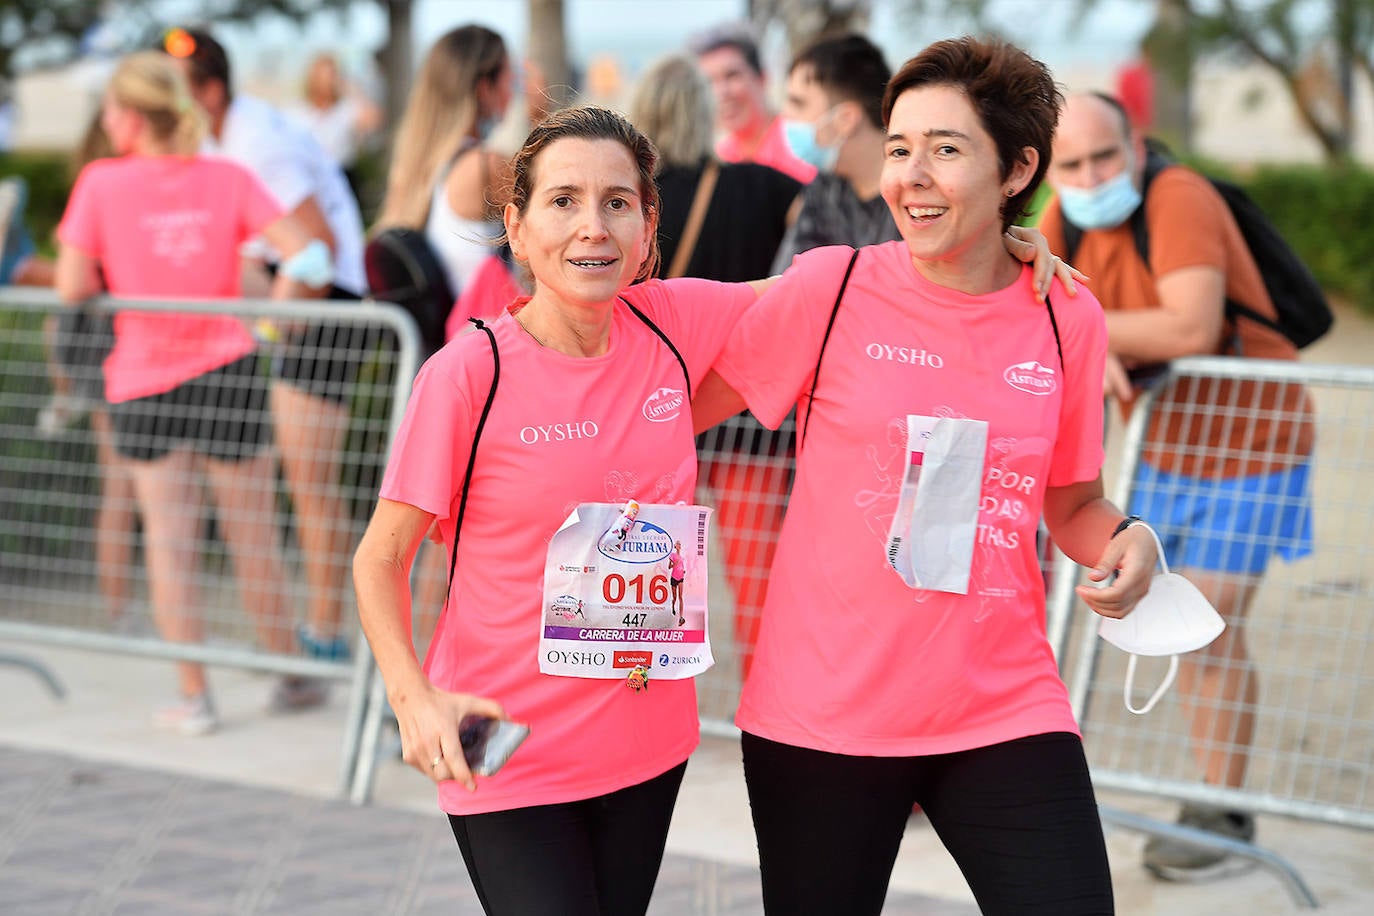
429 721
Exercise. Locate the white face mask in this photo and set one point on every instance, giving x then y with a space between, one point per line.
1173 617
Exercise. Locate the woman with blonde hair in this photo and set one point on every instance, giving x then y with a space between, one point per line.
337 113
187 399
443 180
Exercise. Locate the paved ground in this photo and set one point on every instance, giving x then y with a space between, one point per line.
100 813
78 837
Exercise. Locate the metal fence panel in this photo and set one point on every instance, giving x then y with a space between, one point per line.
1309 630
246 494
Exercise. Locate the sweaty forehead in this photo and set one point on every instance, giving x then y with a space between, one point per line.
575 162
924 109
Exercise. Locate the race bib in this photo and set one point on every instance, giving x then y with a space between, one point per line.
624 588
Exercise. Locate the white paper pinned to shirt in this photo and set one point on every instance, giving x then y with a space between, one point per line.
944 517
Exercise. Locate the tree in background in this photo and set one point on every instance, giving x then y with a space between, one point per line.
806 20
51 32
1314 47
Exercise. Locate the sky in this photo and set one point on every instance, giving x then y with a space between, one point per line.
638 31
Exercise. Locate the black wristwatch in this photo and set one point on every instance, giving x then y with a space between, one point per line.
1126 522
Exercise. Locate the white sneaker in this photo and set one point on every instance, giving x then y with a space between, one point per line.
190 715
61 411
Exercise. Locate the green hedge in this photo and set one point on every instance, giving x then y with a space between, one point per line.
1324 214
49 181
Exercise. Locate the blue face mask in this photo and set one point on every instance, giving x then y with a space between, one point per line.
1104 207
801 137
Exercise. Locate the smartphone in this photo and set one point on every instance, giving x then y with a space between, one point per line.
488 743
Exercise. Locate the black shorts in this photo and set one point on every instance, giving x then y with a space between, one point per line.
675 582
324 359
83 338
221 414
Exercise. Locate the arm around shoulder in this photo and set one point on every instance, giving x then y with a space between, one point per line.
713 402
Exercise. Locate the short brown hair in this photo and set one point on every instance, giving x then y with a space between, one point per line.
1014 95
589 122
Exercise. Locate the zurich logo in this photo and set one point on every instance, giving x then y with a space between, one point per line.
1031 377
664 404
646 543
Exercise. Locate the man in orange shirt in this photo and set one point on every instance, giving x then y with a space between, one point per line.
1224 473
751 131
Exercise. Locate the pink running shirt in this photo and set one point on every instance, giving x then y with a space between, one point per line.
772 151
850 660
562 431
167 227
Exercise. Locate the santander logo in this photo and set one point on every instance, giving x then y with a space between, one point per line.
1031 377
664 404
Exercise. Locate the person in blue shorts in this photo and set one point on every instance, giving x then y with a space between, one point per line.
1224 473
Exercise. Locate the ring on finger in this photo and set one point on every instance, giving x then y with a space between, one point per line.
434 764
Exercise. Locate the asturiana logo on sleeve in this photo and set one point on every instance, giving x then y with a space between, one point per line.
664 404
1031 377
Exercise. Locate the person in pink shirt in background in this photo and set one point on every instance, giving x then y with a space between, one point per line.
186 398
869 694
751 131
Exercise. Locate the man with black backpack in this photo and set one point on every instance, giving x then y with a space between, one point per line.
1224 471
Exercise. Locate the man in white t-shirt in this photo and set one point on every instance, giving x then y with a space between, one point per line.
290 162
316 369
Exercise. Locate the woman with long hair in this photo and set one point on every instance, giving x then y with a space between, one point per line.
443 178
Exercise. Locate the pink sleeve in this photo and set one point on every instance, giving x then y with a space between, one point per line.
431 450
259 208
80 226
771 356
697 315
1078 452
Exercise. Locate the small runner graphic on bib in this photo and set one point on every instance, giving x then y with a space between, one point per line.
625 591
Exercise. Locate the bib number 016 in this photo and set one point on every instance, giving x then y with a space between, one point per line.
615 588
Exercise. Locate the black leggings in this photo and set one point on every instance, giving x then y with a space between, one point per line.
1019 818
596 857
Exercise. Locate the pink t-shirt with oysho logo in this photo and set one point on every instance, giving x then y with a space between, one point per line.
167 227
850 659
562 431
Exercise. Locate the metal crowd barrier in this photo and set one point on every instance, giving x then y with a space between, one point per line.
1309 631
72 545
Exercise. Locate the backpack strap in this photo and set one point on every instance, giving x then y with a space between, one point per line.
1054 325
663 337
472 455
816 375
